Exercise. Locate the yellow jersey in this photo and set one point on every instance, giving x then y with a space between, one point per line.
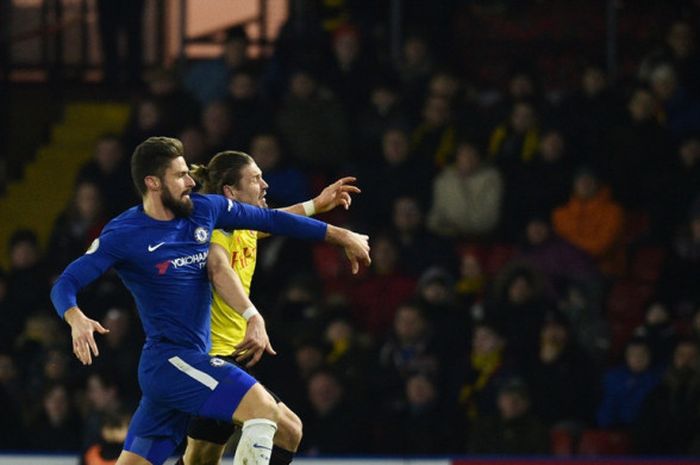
228 326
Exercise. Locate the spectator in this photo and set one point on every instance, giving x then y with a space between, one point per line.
589 114
207 80
466 196
680 112
56 427
178 106
414 70
560 377
472 281
109 169
103 398
519 310
419 423
113 431
119 352
514 142
679 188
11 429
480 373
515 429
682 270
436 293
375 298
412 347
668 420
194 145
680 51
636 152
287 184
626 387
561 263
350 353
418 248
77 226
217 123
396 173
536 188
659 332
312 124
250 111
333 425
350 70
435 138
27 281
146 121
588 326
593 222
385 111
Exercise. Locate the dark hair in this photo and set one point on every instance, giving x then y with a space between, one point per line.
223 169
115 419
23 235
152 157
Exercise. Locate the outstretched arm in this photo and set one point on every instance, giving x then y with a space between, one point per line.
64 294
332 196
236 215
229 287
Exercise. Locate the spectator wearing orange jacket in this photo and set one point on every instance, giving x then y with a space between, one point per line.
593 221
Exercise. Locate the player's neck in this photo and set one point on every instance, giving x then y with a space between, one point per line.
153 207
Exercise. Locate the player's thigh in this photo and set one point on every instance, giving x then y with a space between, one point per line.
200 452
129 458
256 403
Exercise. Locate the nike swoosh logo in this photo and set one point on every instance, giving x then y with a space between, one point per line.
151 248
258 446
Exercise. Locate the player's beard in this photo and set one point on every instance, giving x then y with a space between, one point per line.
181 208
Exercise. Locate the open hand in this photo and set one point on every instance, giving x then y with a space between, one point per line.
336 194
82 332
255 343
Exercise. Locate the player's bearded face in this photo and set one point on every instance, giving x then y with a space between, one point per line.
180 204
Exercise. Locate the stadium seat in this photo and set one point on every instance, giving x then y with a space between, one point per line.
498 256
636 226
601 442
328 262
627 299
647 263
561 442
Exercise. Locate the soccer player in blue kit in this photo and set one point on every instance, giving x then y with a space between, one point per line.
159 249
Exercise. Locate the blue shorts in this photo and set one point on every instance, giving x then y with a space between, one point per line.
176 384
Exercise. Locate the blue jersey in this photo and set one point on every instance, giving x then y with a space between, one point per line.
163 263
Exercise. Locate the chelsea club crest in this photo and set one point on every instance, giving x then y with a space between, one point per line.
216 362
201 235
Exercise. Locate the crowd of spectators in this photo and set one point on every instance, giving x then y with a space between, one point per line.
536 251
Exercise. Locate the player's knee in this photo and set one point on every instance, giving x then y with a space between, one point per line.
289 430
295 429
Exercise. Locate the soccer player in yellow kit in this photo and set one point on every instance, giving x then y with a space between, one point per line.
240 336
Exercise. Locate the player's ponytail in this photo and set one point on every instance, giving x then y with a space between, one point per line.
200 173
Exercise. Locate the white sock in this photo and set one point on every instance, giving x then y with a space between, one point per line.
255 446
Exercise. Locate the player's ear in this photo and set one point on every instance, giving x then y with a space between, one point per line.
152 182
228 192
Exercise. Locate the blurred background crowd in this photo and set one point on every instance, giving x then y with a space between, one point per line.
534 223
